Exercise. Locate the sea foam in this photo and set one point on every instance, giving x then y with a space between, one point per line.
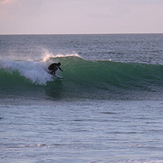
36 72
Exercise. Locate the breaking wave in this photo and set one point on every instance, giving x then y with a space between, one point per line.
82 78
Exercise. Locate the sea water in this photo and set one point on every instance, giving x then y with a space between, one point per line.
108 108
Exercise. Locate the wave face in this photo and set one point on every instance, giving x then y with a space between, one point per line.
82 79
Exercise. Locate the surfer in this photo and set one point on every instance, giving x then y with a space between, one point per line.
54 67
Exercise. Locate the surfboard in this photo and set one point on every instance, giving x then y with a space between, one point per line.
58 77
55 76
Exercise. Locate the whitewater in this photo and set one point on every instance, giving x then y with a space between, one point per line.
107 108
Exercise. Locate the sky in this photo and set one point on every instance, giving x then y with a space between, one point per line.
80 16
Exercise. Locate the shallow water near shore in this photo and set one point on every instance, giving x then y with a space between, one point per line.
82 131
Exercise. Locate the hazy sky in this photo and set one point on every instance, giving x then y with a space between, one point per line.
80 16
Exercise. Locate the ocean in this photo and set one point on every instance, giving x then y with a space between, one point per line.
108 108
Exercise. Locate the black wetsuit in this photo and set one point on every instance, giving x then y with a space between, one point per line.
54 67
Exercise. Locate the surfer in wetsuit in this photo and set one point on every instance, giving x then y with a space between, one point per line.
54 67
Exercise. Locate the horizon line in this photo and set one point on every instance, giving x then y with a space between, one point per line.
78 33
